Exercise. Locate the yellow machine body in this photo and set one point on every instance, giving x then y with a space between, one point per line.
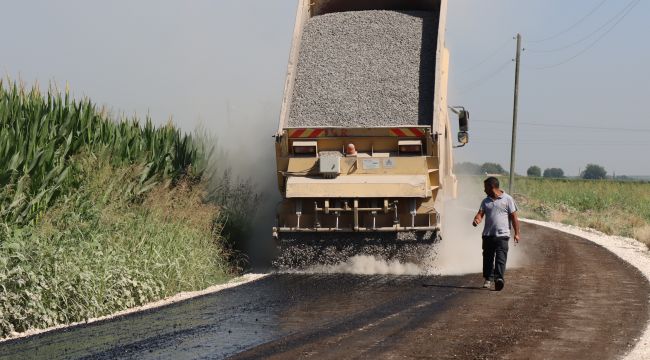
380 188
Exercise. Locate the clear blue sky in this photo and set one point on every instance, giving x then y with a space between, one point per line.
222 64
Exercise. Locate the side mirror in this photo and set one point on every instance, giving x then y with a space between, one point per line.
463 121
463 125
463 137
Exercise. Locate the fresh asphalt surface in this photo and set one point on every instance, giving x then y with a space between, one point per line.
572 300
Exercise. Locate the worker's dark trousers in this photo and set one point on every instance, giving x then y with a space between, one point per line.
495 255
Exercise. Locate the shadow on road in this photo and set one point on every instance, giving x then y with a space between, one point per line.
455 287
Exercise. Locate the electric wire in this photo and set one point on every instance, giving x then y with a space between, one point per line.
488 57
482 81
593 11
547 143
623 12
591 45
582 127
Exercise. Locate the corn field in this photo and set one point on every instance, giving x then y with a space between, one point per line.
40 133
99 215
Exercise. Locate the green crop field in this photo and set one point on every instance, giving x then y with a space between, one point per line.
613 207
98 215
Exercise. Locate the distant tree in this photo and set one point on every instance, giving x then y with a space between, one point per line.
534 171
594 172
468 168
554 173
493 168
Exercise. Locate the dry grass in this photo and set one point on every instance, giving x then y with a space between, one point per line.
184 203
643 234
100 250
614 208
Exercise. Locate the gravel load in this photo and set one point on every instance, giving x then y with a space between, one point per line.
365 69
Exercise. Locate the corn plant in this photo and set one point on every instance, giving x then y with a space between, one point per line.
98 215
40 133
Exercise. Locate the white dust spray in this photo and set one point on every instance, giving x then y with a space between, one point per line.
246 149
458 253
369 265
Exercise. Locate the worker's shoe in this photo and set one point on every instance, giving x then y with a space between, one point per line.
499 284
487 284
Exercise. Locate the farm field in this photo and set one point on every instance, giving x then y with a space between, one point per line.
612 207
99 215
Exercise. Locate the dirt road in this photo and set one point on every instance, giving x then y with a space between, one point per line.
574 300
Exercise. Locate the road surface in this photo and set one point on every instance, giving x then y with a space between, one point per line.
573 300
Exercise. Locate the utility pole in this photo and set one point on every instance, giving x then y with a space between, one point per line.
513 148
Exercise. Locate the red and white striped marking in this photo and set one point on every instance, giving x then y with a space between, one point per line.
407 132
403 132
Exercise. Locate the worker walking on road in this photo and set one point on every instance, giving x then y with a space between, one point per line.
500 213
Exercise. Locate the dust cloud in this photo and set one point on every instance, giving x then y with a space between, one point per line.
250 155
460 251
246 150
369 265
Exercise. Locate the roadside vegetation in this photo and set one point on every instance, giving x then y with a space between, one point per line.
611 206
99 215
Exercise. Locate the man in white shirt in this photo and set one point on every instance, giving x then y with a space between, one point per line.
500 213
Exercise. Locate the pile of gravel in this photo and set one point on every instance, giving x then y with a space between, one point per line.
303 250
366 68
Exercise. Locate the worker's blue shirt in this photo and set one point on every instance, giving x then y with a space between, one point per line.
497 215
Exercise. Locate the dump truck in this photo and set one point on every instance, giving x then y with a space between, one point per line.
364 143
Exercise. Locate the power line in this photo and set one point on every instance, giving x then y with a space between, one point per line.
547 143
482 81
571 126
572 26
629 10
488 57
617 16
